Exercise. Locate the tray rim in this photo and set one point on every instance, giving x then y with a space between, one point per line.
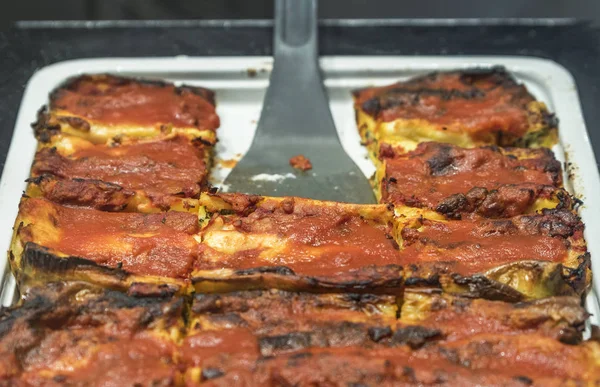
563 90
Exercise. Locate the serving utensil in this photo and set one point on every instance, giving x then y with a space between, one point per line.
296 120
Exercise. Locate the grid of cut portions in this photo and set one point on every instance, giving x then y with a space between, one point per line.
147 336
470 270
471 214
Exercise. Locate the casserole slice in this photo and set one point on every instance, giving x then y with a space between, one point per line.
105 108
491 182
147 175
536 255
81 335
113 249
468 108
254 242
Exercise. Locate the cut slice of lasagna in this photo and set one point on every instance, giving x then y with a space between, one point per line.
488 181
468 108
458 318
538 255
115 249
104 108
132 175
251 242
80 335
486 360
266 337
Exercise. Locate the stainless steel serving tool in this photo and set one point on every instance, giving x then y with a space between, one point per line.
295 120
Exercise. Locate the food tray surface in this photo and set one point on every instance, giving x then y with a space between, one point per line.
240 84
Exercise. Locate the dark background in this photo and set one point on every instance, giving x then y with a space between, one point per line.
11 10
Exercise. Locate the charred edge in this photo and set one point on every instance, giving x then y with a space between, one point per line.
30 310
140 290
114 80
39 257
43 129
37 180
279 270
210 373
76 123
576 278
427 282
201 141
385 280
549 120
155 306
480 286
415 336
371 106
205 93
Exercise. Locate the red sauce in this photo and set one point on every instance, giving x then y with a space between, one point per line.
481 361
492 103
469 249
492 114
143 361
171 167
119 101
321 240
525 355
461 318
414 179
148 244
201 347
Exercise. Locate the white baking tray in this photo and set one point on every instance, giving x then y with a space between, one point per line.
240 84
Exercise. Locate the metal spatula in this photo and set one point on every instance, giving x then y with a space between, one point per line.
296 120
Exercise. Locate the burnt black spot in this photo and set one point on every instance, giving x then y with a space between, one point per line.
211 373
371 106
279 270
523 379
290 342
415 336
453 205
441 162
378 333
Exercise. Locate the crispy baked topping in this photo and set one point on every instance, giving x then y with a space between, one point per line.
113 100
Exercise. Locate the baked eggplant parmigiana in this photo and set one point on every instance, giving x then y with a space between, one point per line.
115 249
132 175
467 108
80 336
489 181
295 244
102 108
